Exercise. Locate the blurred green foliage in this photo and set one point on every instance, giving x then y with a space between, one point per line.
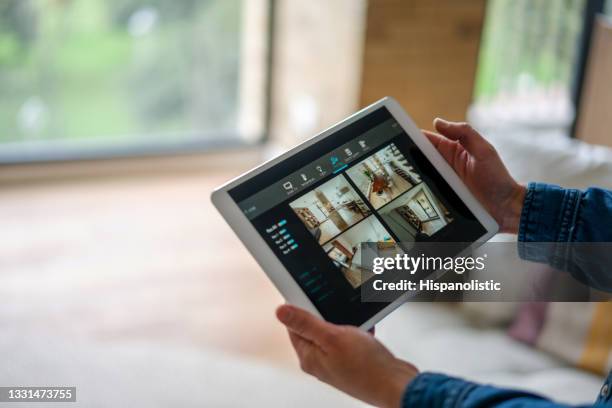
118 69
527 43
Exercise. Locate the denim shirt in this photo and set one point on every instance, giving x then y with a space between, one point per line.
550 214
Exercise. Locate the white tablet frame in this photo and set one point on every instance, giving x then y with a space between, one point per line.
269 262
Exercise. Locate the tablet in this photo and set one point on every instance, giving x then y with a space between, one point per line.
374 177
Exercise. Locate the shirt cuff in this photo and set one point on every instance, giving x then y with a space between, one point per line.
429 390
549 213
436 390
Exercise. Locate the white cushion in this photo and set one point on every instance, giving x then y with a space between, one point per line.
553 158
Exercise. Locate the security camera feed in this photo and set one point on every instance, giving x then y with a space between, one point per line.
340 217
330 209
368 182
345 250
384 176
416 215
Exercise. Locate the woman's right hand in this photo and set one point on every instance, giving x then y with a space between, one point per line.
477 163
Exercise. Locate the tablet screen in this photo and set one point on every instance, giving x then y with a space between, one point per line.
368 182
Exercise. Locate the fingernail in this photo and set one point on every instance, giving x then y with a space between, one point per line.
441 121
284 314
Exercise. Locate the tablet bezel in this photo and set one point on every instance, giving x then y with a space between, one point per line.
270 263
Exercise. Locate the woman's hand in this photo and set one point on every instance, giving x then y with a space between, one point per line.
479 166
347 358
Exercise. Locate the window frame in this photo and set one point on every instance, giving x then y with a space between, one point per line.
61 151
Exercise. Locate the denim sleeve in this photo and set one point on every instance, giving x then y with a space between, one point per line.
571 230
437 390
554 214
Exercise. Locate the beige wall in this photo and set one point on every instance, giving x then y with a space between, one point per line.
317 66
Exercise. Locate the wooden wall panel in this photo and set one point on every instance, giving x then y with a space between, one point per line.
423 53
594 118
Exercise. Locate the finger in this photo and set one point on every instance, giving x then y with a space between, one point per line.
463 133
308 353
436 139
447 148
372 331
433 137
305 324
299 343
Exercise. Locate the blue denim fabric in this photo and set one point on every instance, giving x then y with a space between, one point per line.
570 230
439 390
550 214
554 214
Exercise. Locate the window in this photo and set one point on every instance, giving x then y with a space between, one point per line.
526 62
89 78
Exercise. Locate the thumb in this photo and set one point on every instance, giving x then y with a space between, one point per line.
305 324
462 132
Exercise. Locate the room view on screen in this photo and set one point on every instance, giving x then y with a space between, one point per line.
369 182
339 219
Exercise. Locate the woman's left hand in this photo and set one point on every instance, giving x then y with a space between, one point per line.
347 358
